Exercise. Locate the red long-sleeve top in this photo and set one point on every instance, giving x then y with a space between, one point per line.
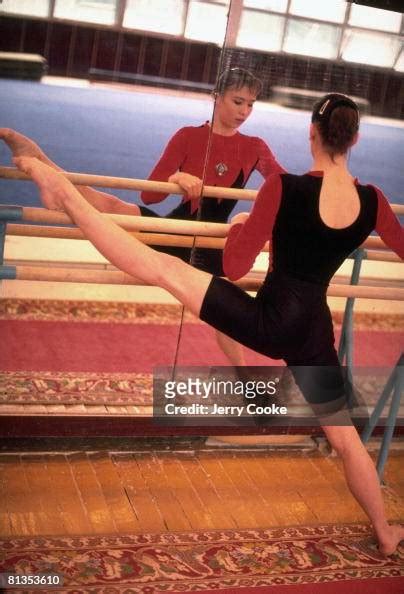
286 212
231 161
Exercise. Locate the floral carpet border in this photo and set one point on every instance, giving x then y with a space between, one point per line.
209 560
61 387
117 389
148 313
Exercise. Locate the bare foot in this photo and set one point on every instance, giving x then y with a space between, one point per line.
20 145
53 186
389 541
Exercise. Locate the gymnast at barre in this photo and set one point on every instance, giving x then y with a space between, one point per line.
314 221
232 157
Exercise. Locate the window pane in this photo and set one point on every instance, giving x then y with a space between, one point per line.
37 8
332 10
148 15
374 18
400 62
312 39
369 48
275 5
90 11
261 31
206 22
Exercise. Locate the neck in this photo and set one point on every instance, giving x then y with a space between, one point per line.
323 162
219 128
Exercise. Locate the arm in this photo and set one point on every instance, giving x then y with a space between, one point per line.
245 241
388 225
168 165
267 163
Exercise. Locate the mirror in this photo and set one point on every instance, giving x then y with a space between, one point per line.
123 77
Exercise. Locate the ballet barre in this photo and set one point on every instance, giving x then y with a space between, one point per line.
105 181
161 239
41 216
116 277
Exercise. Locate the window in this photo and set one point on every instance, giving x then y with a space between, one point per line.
90 11
148 15
39 8
400 62
332 10
374 18
377 49
274 5
312 39
261 31
206 21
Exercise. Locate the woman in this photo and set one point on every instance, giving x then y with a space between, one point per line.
314 221
232 157
222 156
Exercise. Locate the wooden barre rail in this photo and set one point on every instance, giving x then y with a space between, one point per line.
125 183
156 225
162 239
250 283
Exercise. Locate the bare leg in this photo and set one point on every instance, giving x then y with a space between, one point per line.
232 349
22 146
120 248
363 482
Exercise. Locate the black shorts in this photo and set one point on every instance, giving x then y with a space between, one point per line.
289 319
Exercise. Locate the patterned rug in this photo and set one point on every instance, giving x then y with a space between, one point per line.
117 389
53 387
225 561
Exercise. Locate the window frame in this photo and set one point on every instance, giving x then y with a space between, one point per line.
343 26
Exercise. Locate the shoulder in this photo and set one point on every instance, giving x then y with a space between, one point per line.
372 194
191 131
201 130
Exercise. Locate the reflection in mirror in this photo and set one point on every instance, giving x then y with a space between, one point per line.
122 80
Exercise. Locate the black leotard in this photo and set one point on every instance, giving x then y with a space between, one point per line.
289 318
232 159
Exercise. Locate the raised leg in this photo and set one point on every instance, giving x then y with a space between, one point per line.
363 482
232 349
187 284
22 146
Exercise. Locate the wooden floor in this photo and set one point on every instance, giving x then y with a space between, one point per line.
94 492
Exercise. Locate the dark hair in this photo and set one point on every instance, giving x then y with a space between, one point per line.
337 118
236 78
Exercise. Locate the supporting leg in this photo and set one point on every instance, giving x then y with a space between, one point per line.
363 482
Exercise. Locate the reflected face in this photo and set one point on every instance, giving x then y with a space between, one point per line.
234 107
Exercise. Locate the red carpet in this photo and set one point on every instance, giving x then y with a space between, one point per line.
129 347
302 560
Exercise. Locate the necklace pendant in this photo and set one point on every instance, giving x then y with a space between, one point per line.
221 169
